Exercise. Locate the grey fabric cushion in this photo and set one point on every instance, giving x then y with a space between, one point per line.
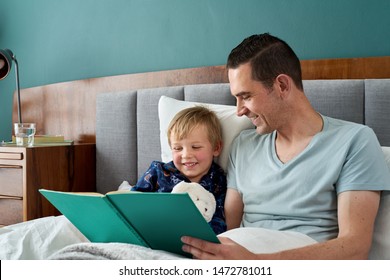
148 125
342 99
377 108
213 94
116 139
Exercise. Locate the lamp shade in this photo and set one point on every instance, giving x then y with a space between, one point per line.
6 58
5 62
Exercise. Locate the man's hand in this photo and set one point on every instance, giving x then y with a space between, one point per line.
204 250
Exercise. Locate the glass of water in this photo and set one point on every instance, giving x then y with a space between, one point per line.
24 134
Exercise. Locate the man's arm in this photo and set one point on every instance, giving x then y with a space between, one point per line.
356 213
234 208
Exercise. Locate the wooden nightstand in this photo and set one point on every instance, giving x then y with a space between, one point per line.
24 170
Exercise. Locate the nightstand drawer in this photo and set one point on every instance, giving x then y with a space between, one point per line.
11 155
24 170
11 211
11 180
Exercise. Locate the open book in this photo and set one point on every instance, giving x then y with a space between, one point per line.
154 220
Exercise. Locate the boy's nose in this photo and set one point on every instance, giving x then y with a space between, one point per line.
186 153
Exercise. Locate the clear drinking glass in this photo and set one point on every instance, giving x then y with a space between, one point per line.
24 134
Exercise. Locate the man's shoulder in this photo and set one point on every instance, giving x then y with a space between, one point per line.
343 131
343 125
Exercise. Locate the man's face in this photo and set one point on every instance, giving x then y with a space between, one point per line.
254 100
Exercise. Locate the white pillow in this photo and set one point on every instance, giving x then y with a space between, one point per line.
386 151
263 241
380 248
231 124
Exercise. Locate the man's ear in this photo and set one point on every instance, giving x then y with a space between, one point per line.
283 82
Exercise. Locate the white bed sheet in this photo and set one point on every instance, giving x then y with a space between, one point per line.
38 239
57 238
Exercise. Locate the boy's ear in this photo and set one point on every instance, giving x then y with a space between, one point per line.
218 149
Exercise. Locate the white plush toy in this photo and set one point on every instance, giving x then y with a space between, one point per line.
202 198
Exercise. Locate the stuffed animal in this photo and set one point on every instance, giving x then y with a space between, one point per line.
203 199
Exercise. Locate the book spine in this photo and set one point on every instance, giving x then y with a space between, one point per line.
127 223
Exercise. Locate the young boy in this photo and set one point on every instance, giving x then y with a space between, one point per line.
195 138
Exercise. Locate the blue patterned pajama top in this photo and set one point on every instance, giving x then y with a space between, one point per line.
162 177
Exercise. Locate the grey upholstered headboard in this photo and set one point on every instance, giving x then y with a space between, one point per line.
127 124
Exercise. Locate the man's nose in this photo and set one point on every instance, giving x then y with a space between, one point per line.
241 109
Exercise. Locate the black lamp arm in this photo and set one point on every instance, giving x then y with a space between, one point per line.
17 88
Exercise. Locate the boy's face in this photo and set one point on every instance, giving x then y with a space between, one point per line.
194 154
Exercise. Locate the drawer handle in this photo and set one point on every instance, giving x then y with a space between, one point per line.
10 166
11 197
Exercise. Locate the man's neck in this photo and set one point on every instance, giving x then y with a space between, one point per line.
293 138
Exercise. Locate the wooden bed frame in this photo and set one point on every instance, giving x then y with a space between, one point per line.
69 108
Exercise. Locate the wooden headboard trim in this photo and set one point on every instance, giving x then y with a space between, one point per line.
68 108
346 68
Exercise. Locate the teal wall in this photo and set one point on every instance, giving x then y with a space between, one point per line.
62 40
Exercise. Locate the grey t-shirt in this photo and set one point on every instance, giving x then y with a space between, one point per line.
301 194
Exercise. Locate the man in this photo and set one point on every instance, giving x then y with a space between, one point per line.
299 170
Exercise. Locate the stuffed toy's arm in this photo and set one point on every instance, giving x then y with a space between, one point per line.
202 198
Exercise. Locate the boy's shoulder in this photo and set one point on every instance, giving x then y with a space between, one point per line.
215 167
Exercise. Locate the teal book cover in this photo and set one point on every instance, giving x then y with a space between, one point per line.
154 220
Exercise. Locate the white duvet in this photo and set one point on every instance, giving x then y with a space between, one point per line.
57 238
38 239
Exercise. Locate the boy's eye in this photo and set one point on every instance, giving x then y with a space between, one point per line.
196 147
177 148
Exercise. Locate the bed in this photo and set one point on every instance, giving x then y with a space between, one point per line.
126 117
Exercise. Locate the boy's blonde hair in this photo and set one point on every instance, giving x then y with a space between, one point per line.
186 120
